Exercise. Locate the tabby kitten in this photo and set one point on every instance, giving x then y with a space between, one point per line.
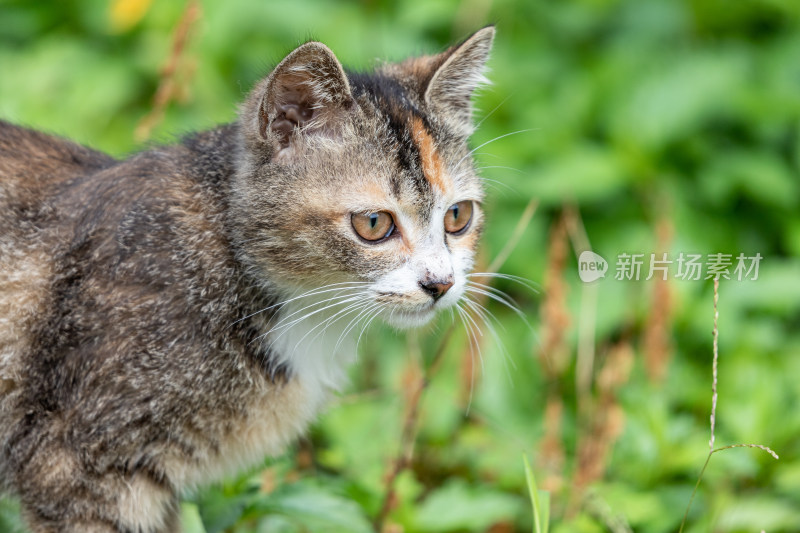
170 318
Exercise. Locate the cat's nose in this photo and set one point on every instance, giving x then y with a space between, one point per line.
436 288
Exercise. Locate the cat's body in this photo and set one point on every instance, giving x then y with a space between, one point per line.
143 349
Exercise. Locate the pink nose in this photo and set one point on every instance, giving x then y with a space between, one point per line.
436 288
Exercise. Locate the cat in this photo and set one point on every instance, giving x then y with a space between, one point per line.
171 318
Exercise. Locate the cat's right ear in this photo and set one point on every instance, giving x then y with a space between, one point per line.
307 94
450 79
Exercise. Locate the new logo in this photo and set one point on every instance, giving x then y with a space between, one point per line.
591 266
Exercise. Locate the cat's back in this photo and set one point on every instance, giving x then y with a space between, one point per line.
34 166
32 163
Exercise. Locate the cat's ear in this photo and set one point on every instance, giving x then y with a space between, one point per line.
460 72
306 94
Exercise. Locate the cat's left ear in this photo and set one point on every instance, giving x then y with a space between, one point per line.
307 94
460 72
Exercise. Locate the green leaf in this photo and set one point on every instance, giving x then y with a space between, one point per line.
314 507
221 509
540 499
460 506
756 514
10 519
190 518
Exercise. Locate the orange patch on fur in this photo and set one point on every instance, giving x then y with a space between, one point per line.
432 166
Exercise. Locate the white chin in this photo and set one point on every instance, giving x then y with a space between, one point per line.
409 319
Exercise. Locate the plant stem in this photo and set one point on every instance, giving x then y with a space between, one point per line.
696 485
714 368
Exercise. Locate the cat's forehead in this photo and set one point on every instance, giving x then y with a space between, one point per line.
426 164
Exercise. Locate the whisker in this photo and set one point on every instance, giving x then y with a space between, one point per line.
364 311
341 314
490 113
326 323
491 141
493 290
499 166
486 154
497 295
498 186
510 277
482 312
477 329
354 322
282 322
375 315
287 326
471 333
311 292
499 299
473 345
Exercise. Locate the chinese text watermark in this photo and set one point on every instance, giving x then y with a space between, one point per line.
691 267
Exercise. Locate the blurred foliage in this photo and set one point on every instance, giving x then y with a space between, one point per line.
656 125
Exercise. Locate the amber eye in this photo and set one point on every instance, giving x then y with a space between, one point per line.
373 226
458 217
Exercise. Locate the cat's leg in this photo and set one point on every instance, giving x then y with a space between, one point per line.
38 525
136 506
60 494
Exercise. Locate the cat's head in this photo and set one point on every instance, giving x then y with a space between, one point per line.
364 179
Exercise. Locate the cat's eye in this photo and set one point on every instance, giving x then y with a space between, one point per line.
458 217
373 227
